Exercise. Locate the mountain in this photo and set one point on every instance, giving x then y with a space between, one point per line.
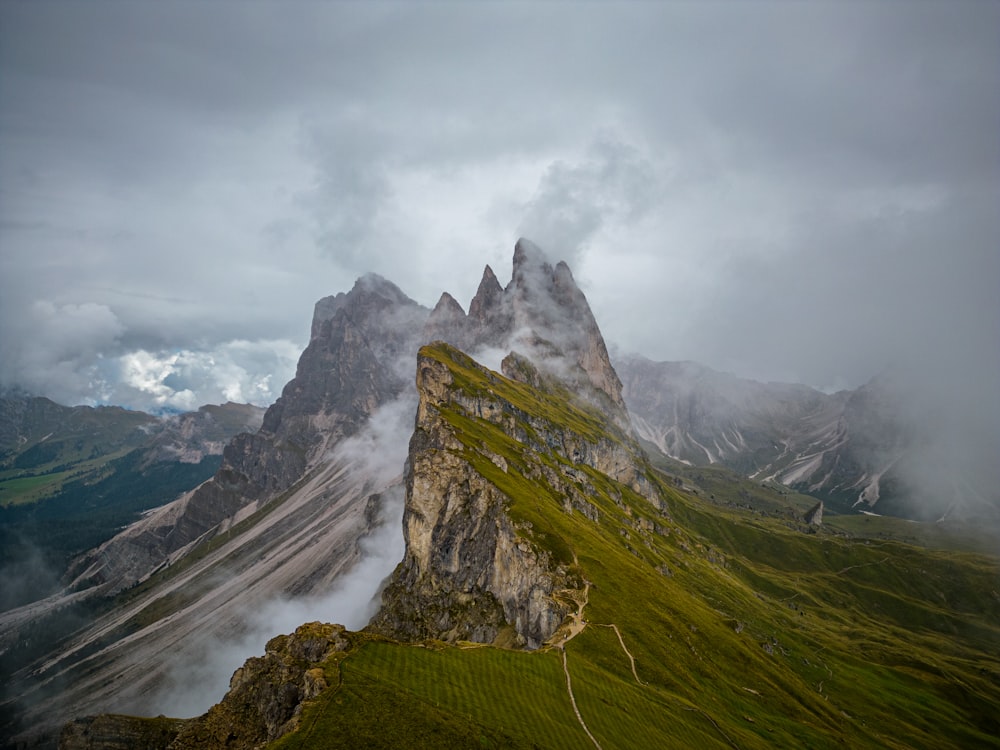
284 516
71 477
344 375
543 315
869 449
42 443
290 507
558 590
556 585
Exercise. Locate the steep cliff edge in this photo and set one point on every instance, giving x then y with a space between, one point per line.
479 563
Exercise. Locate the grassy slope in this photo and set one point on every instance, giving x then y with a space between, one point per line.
56 444
746 632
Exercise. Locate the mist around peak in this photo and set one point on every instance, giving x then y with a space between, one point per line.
198 676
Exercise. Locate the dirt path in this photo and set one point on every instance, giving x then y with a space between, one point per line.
862 565
576 624
625 649
569 687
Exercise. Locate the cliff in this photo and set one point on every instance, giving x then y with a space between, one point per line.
485 446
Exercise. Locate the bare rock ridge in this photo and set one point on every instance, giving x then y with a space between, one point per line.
471 570
542 314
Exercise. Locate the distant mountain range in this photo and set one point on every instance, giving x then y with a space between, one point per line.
72 477
590 553
860 450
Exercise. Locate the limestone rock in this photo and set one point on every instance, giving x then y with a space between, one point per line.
266 695
470 571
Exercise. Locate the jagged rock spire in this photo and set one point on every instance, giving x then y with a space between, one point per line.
447 321
487 298
544 316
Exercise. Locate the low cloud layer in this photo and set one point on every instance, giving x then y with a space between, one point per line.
199 677
785 191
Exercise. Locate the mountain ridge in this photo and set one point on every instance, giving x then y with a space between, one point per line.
533 524
287 510
855 449
681 622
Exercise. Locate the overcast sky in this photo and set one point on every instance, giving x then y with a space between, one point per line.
787 191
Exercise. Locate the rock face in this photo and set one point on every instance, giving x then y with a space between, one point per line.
349 370
472 570
267 694
543 315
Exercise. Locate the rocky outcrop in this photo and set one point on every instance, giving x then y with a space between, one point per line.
543 315
265 700
267 694
814 516
472 570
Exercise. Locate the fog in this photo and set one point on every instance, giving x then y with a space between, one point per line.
199 677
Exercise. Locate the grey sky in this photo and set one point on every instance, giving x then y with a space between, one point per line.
791 191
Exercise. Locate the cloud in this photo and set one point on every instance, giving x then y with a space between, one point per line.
613 183
380 448
58 349
240 371
692 162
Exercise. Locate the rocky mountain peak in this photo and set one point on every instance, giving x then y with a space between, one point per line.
370 294
530 263
487 298
447 316
543 315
